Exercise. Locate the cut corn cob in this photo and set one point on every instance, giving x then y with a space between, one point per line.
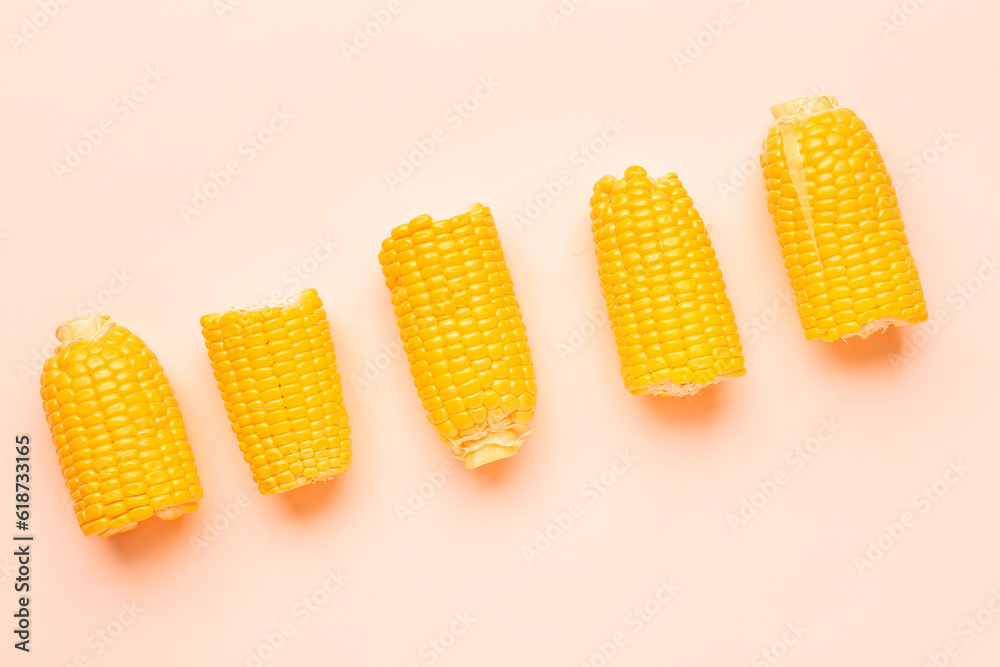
117 428
836 216
666 299
277 372
462 332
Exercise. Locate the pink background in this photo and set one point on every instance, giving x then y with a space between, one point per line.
322 181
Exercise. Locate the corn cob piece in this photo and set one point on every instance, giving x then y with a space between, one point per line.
666 300
277 372
462 332
117 428
836 216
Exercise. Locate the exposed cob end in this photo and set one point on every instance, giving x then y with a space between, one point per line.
83 327
803 106
877 326
493 446
270 489
880 325
488 454
670 388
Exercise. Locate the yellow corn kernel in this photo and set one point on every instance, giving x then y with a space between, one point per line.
462 330
277 372
117 428
666 299
837 220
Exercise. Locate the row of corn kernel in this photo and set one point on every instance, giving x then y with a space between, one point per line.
277 372
462 332
118 429
836 216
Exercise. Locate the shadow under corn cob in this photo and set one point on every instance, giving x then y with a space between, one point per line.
836 216
117 428
666 300
462 332
276 369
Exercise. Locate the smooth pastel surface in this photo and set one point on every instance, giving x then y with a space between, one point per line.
647 482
